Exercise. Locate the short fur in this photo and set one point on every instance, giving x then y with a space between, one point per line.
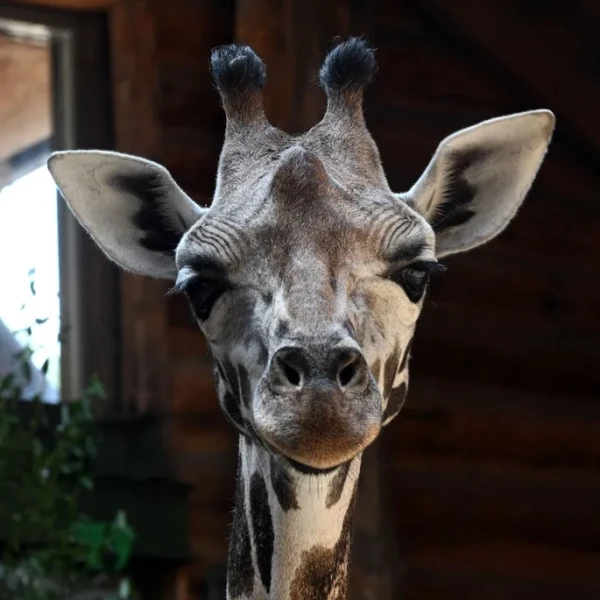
236 68
349 66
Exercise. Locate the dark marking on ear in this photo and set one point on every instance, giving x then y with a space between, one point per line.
406 355
161 233
236 67
458 217
336 487
397 398
349 66
389 371
458 193
284 486
240 570
244 385
323 572
262 526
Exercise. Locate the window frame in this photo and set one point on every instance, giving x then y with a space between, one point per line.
82 114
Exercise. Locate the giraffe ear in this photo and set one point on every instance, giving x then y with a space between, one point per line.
131 207
479 177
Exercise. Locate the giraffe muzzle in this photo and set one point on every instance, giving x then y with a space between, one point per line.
318 406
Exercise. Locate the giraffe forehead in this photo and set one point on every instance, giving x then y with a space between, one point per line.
322 234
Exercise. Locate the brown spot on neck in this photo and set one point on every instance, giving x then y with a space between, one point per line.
323 572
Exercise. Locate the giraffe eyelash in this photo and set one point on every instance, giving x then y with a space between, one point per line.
431 266
180 287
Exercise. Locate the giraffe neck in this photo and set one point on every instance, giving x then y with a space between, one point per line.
291 531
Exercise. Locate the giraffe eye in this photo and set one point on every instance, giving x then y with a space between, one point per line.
414 278
414 281
202 295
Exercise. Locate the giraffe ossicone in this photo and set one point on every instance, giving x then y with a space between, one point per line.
307 275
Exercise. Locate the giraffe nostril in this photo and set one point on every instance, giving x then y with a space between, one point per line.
350 369
346 375
291 374
288 370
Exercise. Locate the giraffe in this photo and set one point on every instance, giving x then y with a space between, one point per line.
306 275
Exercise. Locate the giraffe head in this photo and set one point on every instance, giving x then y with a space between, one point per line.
307 274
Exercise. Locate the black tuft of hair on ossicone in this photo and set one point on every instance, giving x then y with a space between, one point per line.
349 66
236 67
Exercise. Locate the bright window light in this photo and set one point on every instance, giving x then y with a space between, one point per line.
29 258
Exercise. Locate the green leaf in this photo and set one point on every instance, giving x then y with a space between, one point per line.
26 370
95 389
89 533
121 538
45 366
7 382
86 482
124 589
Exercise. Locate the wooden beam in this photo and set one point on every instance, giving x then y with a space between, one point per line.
86 5
293 37
143 307
543 47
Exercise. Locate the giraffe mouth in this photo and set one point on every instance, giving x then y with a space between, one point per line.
306 470
321 451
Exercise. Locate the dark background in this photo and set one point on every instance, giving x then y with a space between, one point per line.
488 484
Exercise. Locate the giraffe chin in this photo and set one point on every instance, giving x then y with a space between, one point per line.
321 454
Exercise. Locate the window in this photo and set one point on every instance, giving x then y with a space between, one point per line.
55 94
29 274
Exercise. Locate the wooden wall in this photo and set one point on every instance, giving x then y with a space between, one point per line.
492 471
494 465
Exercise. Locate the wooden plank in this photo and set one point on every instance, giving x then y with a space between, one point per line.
376 564
547 52
473 436
554 359
434 584
463 421
292 37
431 393
530 292
439 499
510 559
192 159
187 31
189 102
84 5
417 62
192 388
143 312
187 345
25 104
